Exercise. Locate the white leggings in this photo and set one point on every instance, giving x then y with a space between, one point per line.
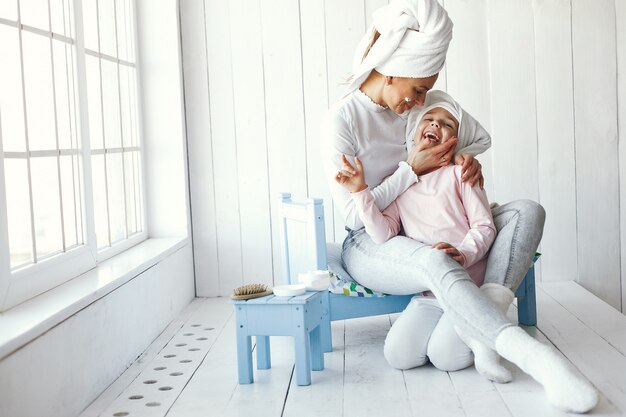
424 332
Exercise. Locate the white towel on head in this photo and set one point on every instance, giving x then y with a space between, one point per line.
414 39
473 138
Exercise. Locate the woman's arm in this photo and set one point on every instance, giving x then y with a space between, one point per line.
482 232
338 139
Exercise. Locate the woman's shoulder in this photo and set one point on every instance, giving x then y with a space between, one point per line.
340 115
346 108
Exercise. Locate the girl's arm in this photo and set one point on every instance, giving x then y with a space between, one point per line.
380 226
482 232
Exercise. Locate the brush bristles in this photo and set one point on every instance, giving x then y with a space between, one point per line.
250 289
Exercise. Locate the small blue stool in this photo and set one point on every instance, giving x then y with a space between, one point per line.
299 316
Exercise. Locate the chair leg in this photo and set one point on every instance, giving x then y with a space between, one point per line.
263 359
327 335
317 356
527 305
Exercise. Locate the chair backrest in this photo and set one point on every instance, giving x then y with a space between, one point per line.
309 252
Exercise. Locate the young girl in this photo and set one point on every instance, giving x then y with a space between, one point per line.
443 211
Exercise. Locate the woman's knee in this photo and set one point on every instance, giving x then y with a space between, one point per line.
534 210
529 209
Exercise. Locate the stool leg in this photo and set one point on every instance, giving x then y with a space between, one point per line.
317 356
303 357
244 358
263 359
527 305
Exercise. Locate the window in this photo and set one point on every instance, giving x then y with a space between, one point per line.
69 130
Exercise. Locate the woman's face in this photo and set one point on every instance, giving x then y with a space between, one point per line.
398 89
437 126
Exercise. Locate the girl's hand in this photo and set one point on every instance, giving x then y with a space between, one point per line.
352 179
450 250
471 169
423 159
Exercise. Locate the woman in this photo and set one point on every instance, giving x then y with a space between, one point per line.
393 71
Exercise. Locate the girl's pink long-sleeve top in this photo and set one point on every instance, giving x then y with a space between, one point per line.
438 208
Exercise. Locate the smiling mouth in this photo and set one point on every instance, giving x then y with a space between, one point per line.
431 137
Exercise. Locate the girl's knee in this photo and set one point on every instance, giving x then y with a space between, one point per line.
403 359
451 361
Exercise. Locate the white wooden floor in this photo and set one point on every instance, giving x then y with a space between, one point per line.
190 370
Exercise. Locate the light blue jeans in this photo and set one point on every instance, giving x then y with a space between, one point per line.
520 226
406 266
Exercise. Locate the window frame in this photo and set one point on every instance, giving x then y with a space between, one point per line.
29 281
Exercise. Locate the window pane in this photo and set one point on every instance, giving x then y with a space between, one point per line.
18 212
34 13
130 31
122 30
117 207
130 177
8 9
94 99
70 190
11 98
46 206
126 96
138 189
38 82
61 16
111 105
106 14
132 90
90 24
101 217
63 90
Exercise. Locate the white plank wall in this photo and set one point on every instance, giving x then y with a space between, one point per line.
620 13
202 184
284 103
223 142
556 162
597 173
513 109
545 77
252 153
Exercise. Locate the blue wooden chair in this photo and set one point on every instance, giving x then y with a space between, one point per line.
314 252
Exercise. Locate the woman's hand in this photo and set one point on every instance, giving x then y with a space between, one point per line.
352 179
471 169
448 249
426 159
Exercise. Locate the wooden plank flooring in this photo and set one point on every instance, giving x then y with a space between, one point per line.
358 382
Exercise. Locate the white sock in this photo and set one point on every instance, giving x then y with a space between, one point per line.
565 387
487 360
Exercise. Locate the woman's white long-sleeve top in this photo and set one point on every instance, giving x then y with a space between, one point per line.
356 126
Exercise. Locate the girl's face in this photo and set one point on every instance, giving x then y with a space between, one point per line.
437 126
398 89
